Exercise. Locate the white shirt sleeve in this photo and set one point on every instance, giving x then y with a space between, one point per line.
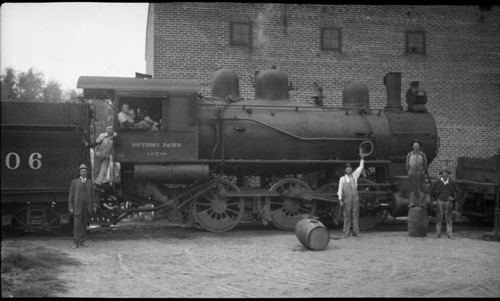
358 170
100 138
341 186
122 118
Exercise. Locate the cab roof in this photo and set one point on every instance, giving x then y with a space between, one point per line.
101 86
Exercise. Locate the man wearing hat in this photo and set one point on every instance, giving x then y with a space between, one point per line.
442 193
81 203
349 198
416 165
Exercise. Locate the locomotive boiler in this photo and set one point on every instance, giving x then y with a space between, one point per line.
221 159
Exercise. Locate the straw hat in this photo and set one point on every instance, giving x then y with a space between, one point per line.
83 166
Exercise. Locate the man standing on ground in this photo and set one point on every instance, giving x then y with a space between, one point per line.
442 193
349 198
81 203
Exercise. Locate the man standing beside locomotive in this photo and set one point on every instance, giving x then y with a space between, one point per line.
416 165
442 193
349 198
81 202
102 154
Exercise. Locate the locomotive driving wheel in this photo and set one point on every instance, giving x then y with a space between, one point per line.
192 217
214 211
369 215
288 208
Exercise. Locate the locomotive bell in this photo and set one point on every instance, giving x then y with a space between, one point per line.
355 96
225 85
271 84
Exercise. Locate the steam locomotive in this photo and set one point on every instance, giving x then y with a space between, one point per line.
220 160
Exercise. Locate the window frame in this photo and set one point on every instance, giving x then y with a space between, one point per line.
424 42
232 41
322 39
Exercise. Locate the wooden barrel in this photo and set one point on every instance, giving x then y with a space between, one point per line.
418 221
312 234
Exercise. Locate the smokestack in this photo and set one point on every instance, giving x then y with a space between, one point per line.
392 81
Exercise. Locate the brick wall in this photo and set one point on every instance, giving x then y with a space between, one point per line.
460 71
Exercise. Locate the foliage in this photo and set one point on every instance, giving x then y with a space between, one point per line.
32 272
103 114
31 86
9 80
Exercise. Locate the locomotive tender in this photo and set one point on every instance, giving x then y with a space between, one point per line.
41 150
221 159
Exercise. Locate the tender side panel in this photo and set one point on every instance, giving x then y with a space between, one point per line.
40 159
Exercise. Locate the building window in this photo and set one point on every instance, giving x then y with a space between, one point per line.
415 42
241 33
330 38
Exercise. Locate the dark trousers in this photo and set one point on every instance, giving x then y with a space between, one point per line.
81 222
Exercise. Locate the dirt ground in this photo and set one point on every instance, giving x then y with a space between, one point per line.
158 260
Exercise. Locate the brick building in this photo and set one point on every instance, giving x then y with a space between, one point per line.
452 51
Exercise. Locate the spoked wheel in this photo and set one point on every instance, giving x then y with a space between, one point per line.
287 209
215 212
192 217
369 216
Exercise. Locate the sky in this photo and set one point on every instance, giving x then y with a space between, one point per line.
66 40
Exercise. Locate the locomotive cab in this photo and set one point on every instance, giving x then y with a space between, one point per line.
170 103
159 151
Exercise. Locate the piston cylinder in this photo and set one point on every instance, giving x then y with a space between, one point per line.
174 172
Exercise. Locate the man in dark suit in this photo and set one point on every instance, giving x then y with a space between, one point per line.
81 203
443 194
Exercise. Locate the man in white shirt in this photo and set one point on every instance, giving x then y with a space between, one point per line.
102 155
349 198
124 117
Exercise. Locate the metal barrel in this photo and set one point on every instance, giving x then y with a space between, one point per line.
312 234
418 221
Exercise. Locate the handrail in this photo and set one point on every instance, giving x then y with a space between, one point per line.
299 137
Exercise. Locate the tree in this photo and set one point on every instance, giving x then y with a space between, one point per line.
71 95
53 92
30 86
9 82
